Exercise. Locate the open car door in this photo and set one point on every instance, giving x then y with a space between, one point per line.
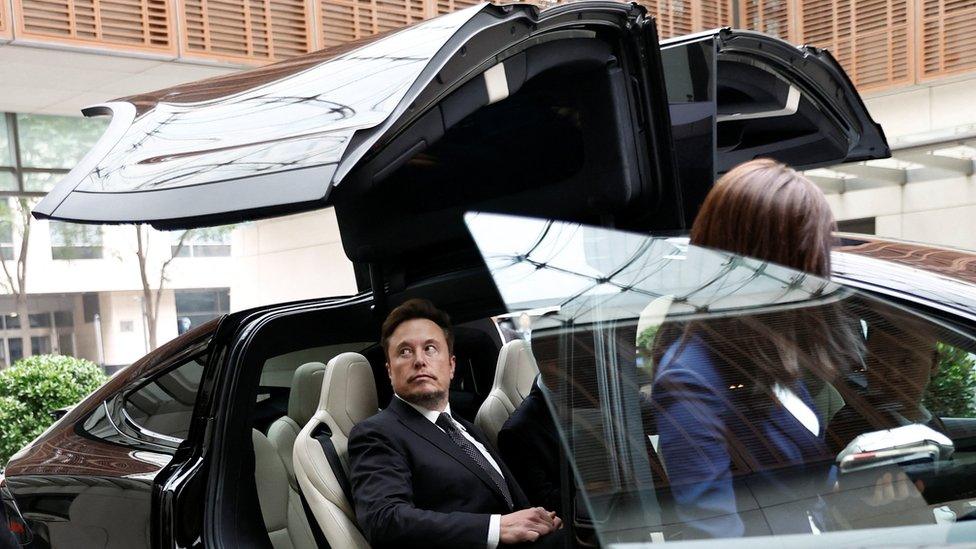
745 95
283 138
659 360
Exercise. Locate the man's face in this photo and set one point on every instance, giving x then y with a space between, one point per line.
419 364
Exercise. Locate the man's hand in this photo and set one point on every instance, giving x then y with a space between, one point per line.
528 525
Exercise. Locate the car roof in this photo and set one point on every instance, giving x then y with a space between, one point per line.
934 276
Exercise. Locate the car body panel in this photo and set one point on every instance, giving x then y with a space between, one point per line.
82 469
263 138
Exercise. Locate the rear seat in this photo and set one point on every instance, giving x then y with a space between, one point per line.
348 396
514 375
306 384
281 505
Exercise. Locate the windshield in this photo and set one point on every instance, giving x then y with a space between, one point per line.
699 394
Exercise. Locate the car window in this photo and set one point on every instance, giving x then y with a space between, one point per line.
164 405
699 394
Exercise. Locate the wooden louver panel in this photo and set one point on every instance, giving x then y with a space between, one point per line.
259 30
346 20
447 6
773 17
715 14
129 24
677 17
870 38
4 21
948 36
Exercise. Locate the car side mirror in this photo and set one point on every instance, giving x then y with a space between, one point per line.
910 443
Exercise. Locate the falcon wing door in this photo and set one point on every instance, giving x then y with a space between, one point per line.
745 95
254 144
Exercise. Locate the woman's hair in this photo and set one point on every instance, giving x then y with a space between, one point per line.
765 209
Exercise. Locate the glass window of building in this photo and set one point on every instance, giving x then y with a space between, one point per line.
49 146
55 141
40 345
75 241
205 242
64 319
6 231
11 322
16 346
40 320
195 307
66 344
8 175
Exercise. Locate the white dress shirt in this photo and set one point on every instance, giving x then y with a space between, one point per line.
495 523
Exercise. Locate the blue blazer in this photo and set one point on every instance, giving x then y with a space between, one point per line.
716 422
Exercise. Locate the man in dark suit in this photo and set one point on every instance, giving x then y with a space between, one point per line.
421 477
529 444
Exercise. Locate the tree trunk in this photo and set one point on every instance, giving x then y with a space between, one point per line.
24 315
149 304
22 310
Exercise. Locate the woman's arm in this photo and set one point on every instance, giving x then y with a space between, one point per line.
694 450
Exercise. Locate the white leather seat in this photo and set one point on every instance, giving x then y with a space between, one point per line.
514 374
281 506
303 400
348 397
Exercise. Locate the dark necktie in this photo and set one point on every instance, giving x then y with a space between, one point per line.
444 422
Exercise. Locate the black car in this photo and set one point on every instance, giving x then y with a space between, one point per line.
576 113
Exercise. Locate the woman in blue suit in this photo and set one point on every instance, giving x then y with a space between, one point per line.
733 394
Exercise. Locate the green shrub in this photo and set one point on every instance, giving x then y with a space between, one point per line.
34 387
952 391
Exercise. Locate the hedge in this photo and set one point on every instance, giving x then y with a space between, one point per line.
34 387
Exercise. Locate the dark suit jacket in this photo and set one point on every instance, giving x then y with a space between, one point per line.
707 423
529 444
414 487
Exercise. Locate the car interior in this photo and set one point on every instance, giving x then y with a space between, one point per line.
334 386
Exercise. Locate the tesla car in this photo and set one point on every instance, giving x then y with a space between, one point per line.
233 434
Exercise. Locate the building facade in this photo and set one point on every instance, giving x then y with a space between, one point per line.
912 60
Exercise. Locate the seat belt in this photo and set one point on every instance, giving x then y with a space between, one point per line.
313 524
323 435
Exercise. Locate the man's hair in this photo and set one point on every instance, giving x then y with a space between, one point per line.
413 309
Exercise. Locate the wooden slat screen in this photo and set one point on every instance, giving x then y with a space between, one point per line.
872 39
249 30
677 17
948 38
447 6
774 17
4 21
345 20
714 14
126 24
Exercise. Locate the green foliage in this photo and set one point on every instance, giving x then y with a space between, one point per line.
34 387
952 392
645 339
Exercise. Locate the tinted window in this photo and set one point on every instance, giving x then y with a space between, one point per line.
164 405
699 394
